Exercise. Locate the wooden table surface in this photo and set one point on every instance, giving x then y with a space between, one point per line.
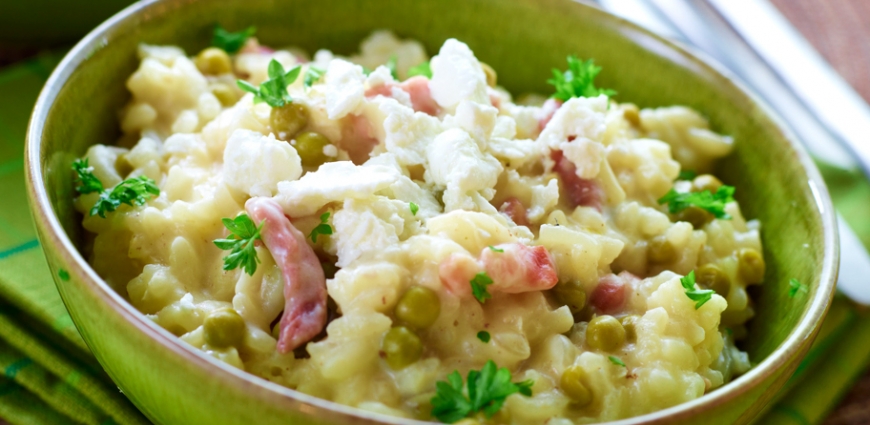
840 31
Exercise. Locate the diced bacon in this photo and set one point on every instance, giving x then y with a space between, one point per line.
609 296
515 268
304 284
456 273
357 138
513 208
421 97
548 109
580 191
417 88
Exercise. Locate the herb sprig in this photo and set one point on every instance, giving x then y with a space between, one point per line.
687 175
616 360
241 243
414 208
231 42
700 296
274 90
484 336
796 286
487 391
478 286
578 80
322 229
392 66
423 69
133 191
711 202
312 75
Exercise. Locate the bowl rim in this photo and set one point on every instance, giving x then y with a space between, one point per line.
54 234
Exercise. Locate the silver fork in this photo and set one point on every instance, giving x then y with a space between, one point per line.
753 40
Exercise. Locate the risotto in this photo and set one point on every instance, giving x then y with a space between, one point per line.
400 235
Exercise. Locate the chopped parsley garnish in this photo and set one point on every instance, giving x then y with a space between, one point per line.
240 243
322 229
700 296
712 202
795 286
483 336
231 42
687 175
615 360
132 191
274 90
578 80
422 69
478 286
494 249
391 65
487 391
414 208
312 75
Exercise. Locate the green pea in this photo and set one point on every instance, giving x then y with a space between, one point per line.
629 323
213 61
418 307
706 182
697 216
225 94
223 328
660 250
574 386
491 76
750 264
289 119
401 346
310 145
711 276
571 294
605 333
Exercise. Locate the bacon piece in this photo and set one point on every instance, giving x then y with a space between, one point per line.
304 284
357 138
513 208
456 273
417 87
519 268
609 296
548 109
580 191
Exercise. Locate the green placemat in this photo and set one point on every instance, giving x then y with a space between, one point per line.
48 376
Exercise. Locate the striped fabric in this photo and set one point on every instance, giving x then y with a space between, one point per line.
48 376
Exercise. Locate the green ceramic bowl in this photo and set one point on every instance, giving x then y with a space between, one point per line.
175 384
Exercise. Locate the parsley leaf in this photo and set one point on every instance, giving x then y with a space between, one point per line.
391 65
414 208
274 90
487 391
478 286
86 180
312 75
132 191
712 202
687 175
483 336
494 249
795 286
700 296
231 42
322 229
615 360
578 80
240 243
422 69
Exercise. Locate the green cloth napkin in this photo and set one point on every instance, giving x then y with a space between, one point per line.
48 375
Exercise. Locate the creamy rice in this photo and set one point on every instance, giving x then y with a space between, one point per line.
481 171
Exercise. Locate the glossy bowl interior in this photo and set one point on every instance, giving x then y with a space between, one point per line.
522 39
